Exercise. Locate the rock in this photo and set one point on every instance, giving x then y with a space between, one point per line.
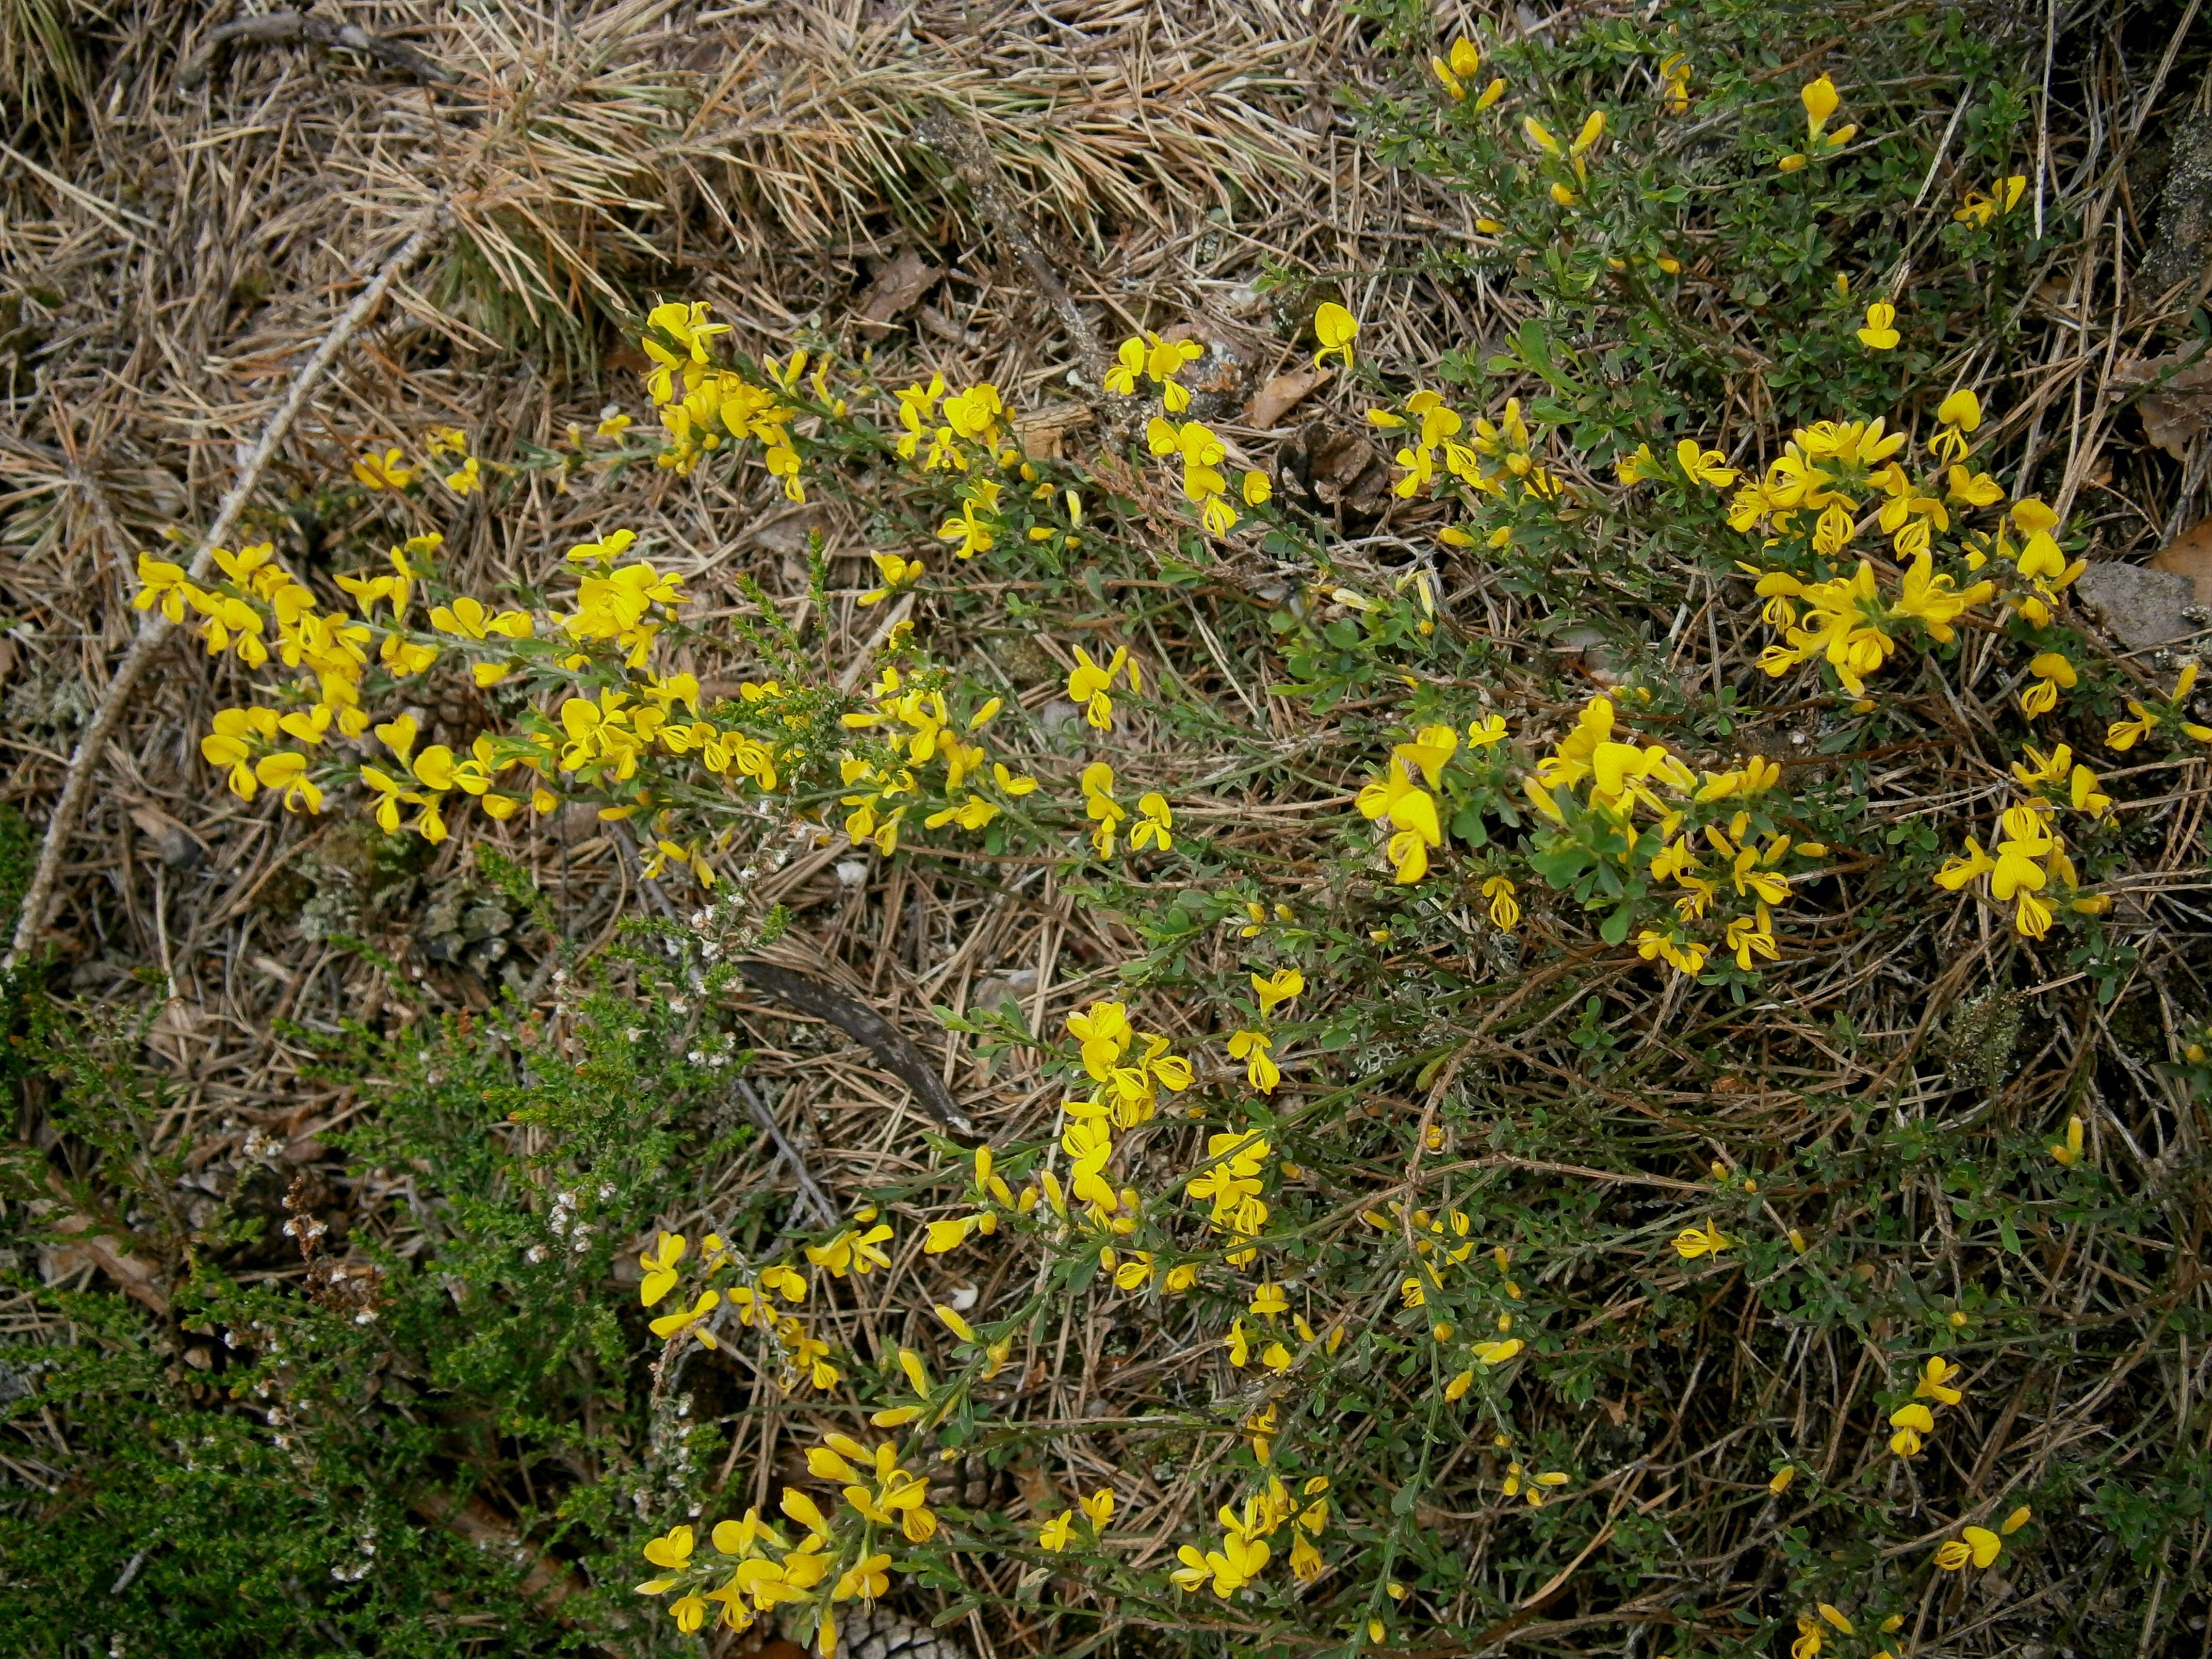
2181 251
176 846
2142 606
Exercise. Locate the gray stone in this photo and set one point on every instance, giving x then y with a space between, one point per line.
2141 606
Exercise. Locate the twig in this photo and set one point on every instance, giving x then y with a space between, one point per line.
810 1195
153 632
976 168
279 29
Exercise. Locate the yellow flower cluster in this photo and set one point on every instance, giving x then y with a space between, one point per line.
1256 1048
766 1570
1204 483
2030 856
1404 799
1089 685
1849 621
1159 362
1593 771
1458 73
260 601
1231 1182
967 430
1497 459
753 1299
919 725
988 1189
1269 1303
1244 1549
1549 147
1058 1532
1914 1421
1811 1639
2173 713
1820 100
1129 1068
702 406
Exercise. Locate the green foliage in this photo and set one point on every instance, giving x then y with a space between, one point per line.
292 1458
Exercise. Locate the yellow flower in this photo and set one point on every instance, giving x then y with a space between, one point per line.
1977 1545
897 572
1694 1242
1782 1477
1912 1421
1256 489
867 1579
1962 410
1276 989
669 1327
1259 1068
1636 466
1497 1354
1820 99
1978 208
1878 335
1934 1381
389 470
1057 1531
671 1553
2052 674
1704 466
465 479
659 1265
2069 1153
1335 328
1505 912
287 770
1154 821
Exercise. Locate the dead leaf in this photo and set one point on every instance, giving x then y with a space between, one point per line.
1342 468
2190 554
1282 394
2181 407
1041 432
897 286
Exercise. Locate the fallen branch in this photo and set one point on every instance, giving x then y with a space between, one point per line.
279 28
972 162
155 631
893 1051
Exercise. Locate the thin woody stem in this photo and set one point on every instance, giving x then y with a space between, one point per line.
155 631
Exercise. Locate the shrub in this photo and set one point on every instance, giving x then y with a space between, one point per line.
1579 1132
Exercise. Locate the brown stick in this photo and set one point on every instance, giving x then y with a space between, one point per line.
153 632
279 29
975 165
893 1051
